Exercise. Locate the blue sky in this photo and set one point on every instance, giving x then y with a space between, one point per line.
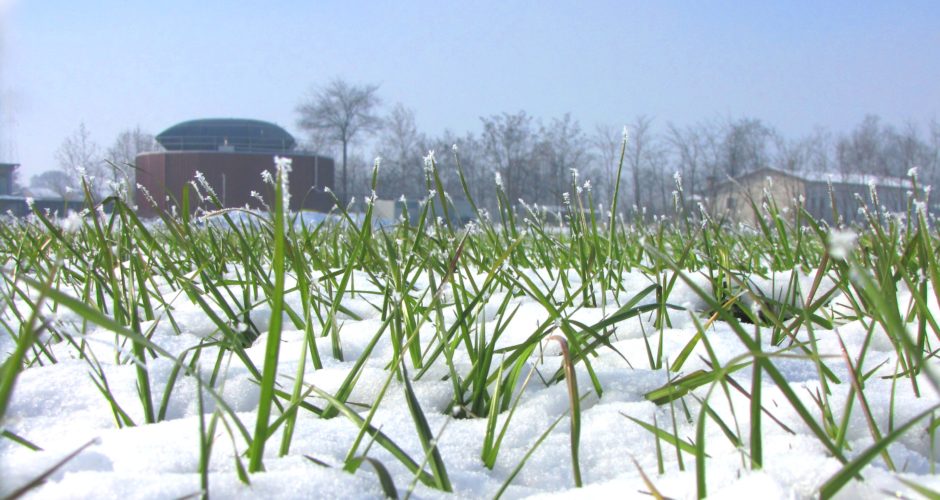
795 65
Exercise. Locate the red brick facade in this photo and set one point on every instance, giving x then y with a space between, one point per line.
233 176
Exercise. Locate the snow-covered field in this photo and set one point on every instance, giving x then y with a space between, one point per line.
463 329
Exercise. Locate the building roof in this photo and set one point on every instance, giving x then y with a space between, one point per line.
227 134
44 193
858 179
826 177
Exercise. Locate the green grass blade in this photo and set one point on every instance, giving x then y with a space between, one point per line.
385 479
854 466
273 346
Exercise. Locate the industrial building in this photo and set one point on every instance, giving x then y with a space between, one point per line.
391 211
733 198
231 154
19 204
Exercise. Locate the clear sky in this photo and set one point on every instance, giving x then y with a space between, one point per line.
116 64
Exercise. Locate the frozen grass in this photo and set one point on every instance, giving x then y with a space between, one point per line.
236 353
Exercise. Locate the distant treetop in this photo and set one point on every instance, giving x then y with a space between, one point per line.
227 134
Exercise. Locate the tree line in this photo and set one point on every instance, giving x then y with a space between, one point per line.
538 160
110 170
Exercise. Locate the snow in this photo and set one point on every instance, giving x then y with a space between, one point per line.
58 407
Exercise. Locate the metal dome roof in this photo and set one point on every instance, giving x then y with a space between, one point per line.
227 134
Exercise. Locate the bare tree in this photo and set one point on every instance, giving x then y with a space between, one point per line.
638 155
932 167
864 150
340 112
122 154
658 178
443 146
57 182
400 146
689 147
562 147
881 149
912 150
607 143
791 155
477 170
508 142
746 146
318 142
360 175
819 150
79 156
